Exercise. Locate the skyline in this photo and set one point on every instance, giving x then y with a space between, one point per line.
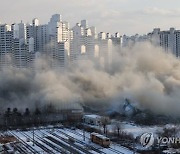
119 14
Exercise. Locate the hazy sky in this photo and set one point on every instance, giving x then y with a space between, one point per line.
124 16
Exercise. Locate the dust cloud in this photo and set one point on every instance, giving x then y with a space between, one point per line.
143 72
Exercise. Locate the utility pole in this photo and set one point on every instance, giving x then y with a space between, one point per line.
33 136
134 149
84 134
84 138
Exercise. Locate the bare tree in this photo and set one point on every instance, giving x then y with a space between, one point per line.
104 122
27 112
118 127
170 132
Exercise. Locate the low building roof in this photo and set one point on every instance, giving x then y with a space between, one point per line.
93 116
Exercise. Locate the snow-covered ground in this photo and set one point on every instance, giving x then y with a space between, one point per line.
63 140
54 141
130 128
135 130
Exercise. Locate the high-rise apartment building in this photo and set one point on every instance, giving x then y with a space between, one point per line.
84 41
5 45
169 40
21 43
59 40
105 50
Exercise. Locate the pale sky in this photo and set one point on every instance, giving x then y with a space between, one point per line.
124 16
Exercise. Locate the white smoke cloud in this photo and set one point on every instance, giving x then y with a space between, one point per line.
145 73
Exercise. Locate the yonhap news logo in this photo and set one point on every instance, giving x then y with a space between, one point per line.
147 140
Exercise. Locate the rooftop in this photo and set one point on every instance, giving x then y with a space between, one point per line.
94 116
